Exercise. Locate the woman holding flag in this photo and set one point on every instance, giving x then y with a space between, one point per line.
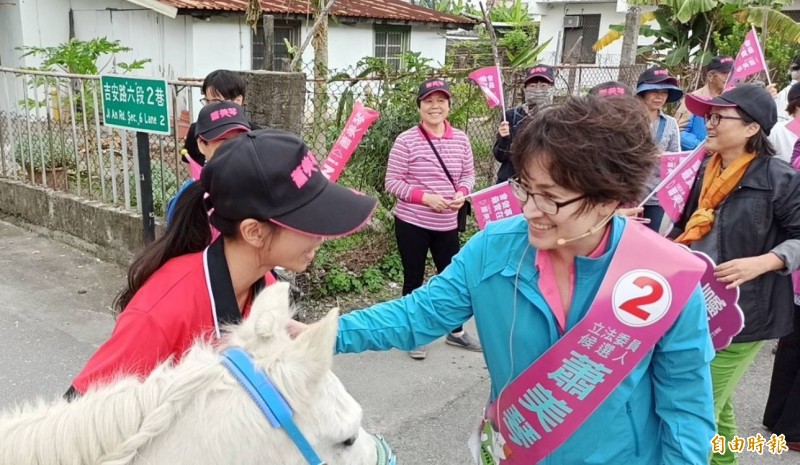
584 367
744 212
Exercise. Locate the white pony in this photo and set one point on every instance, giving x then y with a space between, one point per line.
197 413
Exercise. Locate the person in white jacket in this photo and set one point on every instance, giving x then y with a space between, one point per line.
782 100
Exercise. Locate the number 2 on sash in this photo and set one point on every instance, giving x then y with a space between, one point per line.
634 305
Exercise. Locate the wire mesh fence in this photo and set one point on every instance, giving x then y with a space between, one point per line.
52 135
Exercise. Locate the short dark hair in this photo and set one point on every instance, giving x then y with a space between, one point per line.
758 143
600 147
227 83
792 107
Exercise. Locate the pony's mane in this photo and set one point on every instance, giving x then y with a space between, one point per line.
115 420
111 424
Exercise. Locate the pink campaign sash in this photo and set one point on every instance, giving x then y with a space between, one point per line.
639 299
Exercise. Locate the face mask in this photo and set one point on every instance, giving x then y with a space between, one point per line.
795 75
536 97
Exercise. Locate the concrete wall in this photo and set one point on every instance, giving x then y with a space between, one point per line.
109 232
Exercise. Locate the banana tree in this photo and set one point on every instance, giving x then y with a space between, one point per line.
682 37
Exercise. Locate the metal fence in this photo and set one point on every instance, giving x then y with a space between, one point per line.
481 122
52 135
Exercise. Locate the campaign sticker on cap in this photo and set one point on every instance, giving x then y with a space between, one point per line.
641 298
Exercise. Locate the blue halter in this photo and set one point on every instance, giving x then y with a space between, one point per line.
268 398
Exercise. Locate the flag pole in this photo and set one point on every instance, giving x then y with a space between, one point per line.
670 176
761 50
493 40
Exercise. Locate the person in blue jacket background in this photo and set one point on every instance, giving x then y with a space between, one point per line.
529 279
693 133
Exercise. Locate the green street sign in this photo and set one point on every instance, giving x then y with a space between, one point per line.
135 103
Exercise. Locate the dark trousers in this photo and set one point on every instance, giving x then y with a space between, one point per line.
413 244
655 214
782 413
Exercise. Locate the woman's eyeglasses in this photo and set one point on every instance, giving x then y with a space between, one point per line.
543 202
715 118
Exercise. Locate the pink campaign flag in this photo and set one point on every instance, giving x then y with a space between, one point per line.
490 82
794 126
749 60
494 203
678 170
360 120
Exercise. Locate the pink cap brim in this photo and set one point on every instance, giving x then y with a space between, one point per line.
699 106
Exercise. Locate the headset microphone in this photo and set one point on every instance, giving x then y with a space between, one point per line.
561 241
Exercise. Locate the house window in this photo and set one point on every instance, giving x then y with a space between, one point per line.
584 28
390 43
284 31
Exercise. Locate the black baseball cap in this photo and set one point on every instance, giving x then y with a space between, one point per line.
217 119
611 89
658 78
433 85
269 175
795 63
750 98
720 63
541 71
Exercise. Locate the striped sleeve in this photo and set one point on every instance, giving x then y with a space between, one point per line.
467 180
397 174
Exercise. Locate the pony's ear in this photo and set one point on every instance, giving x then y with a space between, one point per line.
271 311
313 349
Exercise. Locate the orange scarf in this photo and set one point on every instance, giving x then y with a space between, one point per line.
717 185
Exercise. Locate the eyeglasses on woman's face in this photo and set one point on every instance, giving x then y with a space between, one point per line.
543 202
713 119
206 101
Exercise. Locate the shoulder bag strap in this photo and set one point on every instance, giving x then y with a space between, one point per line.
436 152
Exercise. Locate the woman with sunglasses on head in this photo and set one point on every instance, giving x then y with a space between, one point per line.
744 212
272 207
538 286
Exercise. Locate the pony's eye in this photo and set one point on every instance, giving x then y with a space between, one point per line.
349 442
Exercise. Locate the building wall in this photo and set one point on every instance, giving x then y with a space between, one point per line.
40 23
11 25
219 42
431 41
552 22
147 33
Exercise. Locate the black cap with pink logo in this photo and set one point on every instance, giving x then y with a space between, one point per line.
542 72
433 85
217 119
270 175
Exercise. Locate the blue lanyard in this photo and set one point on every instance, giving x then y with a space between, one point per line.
267 398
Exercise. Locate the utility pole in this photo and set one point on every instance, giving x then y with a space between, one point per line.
630 42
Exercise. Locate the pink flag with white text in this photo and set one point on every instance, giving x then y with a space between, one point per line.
360 120
490 82
681 174
494 203
749 61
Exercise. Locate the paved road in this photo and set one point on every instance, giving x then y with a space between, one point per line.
55 311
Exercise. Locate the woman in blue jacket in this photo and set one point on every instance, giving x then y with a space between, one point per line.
530 279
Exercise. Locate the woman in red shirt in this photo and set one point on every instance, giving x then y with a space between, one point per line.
265 194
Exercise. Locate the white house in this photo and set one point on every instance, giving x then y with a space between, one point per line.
189 38
566 20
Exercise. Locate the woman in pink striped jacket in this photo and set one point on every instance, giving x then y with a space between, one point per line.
430 171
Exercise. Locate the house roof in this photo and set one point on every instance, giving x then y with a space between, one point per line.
396 10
